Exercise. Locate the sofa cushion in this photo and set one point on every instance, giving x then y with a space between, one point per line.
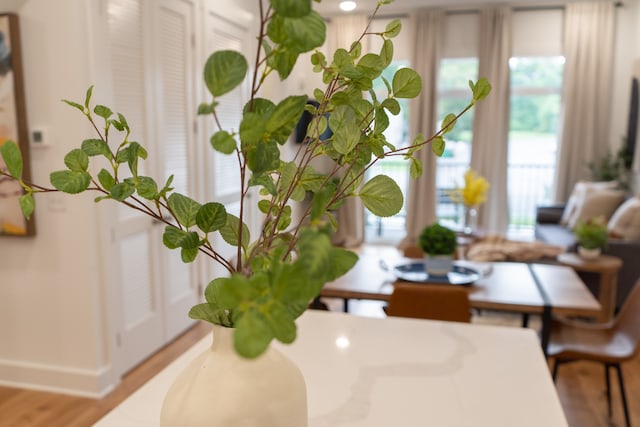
572 207
596 202
625 221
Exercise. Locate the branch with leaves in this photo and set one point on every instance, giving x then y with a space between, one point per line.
276 275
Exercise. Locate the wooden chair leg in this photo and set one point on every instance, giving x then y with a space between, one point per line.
608 383
555 369
623 395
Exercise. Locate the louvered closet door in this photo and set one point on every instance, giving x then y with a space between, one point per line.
223 177
152 75
176 135
137 282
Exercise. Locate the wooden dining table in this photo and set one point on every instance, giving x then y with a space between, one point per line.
525 288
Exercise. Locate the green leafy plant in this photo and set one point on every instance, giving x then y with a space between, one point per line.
592 233
613 168
436 239
274 275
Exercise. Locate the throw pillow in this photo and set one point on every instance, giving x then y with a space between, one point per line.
575 199
625 221
596 202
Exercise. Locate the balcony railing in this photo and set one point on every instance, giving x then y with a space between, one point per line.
529 185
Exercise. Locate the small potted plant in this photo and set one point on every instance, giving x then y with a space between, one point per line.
439 243
592 236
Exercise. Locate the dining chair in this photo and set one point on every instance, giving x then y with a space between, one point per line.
610 344
414 252
436 302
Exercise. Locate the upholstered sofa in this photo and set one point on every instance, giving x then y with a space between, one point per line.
552 226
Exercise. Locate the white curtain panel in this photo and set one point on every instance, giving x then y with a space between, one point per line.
342 31
426 28
491 119
588 50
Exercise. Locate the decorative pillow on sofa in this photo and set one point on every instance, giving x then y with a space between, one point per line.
569 215
596 202
625 221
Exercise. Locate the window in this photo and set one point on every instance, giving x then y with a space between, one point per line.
391 228
536 84
453 97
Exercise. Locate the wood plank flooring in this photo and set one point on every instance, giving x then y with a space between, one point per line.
27 408
580 388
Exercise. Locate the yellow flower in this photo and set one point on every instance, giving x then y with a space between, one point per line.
475 190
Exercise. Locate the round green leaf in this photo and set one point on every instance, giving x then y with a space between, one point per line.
292 8
71 182
382 196
77 160
12 158
184 208
121 191
231 231
106 179
480 89
437 146
175 238
224 70
252 335
96 147
211 217
147 187
393 28
406 83
298 34
27 205
281 323
223 142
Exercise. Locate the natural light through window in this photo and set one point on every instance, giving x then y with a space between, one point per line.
536 85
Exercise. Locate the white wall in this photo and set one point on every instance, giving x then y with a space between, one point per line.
49 292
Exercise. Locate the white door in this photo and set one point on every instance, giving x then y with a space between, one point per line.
151 60
175 48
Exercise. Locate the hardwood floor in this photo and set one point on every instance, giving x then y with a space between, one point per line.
27 408
580 388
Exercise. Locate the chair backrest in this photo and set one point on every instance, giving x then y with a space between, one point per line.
413 252
437 302
628 320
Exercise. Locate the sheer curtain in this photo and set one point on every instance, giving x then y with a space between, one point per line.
426 29
341 32
588 48
491 118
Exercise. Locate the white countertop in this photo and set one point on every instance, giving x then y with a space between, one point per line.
364 372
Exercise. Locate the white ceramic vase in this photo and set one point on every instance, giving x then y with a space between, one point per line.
589 253
438 265
221 388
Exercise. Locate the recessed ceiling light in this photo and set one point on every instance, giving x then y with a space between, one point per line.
347 6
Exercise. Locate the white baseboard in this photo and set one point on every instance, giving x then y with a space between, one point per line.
56 379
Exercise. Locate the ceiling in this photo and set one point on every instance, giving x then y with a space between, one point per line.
330 7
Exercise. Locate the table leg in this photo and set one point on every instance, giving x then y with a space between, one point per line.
346 305
545 333
525 320
607 295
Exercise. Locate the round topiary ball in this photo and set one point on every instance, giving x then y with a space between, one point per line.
436 239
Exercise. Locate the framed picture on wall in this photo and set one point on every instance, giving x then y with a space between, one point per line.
13 126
